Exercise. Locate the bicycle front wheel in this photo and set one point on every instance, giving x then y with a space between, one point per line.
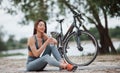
80 56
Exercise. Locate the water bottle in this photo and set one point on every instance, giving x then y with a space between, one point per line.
51 44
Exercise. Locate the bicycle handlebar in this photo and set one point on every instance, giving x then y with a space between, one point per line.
78 15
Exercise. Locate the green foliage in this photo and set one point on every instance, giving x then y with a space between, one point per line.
14 44
23 41
14 54
94 31
32 9
61 6
11 43
112 7
118 49
2 43
115 32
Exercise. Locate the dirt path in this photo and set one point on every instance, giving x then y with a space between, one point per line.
102 64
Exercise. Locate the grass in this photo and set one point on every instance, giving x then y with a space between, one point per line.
118 49
5 55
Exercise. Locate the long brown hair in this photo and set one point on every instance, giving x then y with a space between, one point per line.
36 24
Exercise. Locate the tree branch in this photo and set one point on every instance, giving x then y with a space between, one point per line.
105 17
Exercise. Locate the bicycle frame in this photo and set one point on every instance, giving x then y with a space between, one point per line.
62 39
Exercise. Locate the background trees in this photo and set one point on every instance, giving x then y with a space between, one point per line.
2 43
96 12
96 9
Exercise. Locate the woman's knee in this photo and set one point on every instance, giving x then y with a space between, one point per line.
46 56
53 47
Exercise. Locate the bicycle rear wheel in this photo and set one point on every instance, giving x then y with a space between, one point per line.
77 56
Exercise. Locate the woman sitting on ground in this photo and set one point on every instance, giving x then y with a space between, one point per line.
40 50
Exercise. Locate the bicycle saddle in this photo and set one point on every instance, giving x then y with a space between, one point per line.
60 21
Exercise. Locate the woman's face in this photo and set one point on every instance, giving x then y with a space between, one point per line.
41 27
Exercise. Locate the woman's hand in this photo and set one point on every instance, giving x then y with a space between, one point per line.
51 40
54 40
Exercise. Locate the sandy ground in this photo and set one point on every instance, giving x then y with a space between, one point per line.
102 64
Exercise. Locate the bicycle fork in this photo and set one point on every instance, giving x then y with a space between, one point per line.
77 38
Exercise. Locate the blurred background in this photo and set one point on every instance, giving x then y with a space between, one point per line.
17 17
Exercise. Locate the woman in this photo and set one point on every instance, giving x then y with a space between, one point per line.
40 50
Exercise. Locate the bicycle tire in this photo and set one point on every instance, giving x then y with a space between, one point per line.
80 58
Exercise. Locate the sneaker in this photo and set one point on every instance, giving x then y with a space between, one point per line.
71 67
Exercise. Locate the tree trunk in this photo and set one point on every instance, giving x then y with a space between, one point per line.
105 41
110 45
106 45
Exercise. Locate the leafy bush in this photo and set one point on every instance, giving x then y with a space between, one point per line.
118 49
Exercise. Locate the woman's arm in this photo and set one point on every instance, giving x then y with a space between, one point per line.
45 36
36 52
54 41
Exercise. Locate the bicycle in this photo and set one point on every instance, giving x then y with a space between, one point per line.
77 47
